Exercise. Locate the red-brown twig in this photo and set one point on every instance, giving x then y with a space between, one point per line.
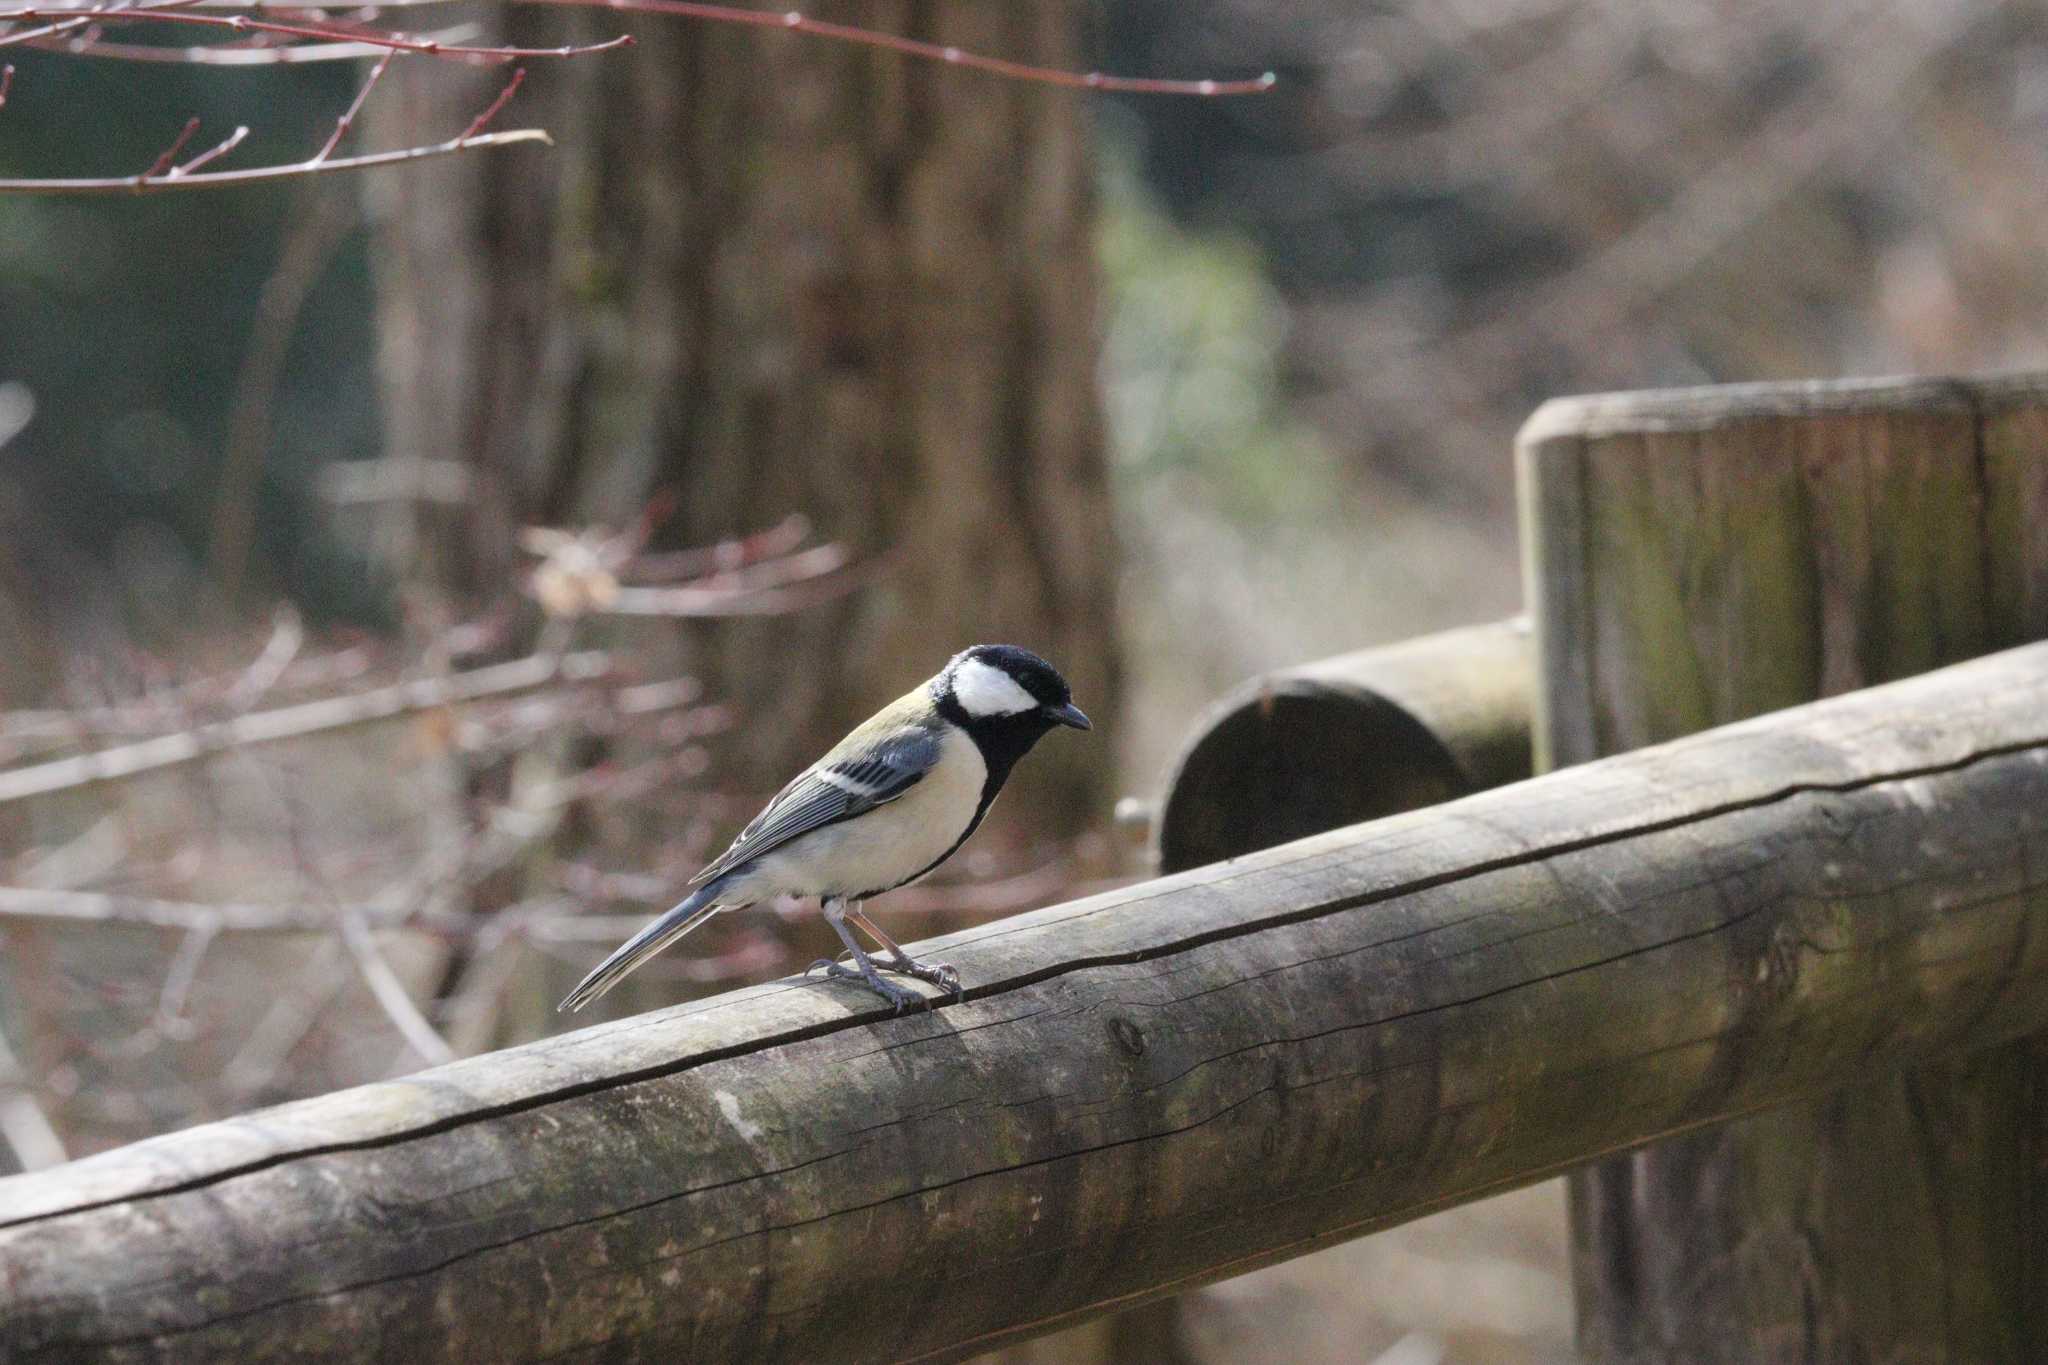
793 22
242 23
776 541
322 38
345 41
477 124
260 51
36 36
6 82
778 571
260 174
226 145
320 224
164 173
355 106
83 19
169 156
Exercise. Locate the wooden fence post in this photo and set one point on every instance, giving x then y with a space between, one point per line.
1696 557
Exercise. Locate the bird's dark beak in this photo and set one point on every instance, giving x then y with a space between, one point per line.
1069 714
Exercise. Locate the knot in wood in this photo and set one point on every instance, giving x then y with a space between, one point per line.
1128 1036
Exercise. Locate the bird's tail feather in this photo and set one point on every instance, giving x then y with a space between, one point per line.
701 905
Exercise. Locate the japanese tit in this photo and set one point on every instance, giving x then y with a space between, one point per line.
889 803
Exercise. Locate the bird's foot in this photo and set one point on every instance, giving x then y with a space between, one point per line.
941 974
898 996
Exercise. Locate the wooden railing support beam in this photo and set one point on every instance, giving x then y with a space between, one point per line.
1374 732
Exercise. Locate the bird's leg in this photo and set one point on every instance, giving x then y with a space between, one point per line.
940 974
835 915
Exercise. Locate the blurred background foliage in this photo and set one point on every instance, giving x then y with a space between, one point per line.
1325 312
1341 295
130 322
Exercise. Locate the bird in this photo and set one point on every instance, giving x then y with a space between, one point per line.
885 806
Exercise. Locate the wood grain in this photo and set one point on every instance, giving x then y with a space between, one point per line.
1701 556
1141 1091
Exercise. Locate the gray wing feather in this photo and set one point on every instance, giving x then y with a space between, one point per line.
871 775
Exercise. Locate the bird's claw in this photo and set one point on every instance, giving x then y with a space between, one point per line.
944 975
898 996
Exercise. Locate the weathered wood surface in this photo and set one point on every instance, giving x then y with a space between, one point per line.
1366 734
1706 555
1142 1091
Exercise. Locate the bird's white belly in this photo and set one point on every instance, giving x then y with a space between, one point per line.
889 844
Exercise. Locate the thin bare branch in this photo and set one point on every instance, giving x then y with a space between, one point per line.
98 851
291 722
483 120
297 1007
24 1127
179 976
781 571
470 1010
774 542
237 54
86 19
232 141
261 174
793 22
168 157
35 36
287 634
355 106
322 219
770 598
390 993
144 912
25 732
242 23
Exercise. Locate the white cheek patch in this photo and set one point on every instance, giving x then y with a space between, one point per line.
985 691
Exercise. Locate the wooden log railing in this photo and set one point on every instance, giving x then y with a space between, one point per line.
1141 1091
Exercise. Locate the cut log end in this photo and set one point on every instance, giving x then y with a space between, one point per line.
1294 758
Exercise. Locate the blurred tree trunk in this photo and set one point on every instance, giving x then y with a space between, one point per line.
773 273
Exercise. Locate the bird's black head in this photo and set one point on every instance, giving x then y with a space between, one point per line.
1004 687
1006 698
